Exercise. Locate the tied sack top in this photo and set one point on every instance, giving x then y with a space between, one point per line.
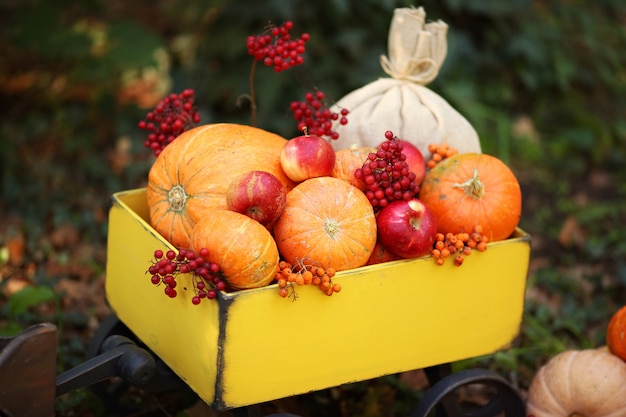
401 102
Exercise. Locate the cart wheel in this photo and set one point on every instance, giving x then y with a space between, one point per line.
443 399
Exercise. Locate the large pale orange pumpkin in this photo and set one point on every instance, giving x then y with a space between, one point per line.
329 221
579 383
616 333
242 247
193 173
349 160
472 189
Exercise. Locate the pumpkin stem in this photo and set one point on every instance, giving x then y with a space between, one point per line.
177 198
473 187
331 227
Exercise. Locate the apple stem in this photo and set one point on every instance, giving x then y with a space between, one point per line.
473 187
416 223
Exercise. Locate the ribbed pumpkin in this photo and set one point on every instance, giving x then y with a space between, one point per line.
193 173
329 221
579 383
242 247
616 333
349 160
472 189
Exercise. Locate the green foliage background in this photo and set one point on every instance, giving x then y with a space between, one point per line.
543 83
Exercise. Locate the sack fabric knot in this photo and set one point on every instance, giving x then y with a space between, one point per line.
416 50
401 102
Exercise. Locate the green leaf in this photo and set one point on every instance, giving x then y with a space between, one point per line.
132 45
46 34
11 329
28 297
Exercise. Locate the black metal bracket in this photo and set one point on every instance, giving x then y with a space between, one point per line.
120 357
114 352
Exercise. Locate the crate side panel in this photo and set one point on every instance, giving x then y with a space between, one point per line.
183 335
387 318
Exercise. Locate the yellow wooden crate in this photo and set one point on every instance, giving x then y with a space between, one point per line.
254 346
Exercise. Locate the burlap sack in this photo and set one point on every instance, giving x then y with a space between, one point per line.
402 103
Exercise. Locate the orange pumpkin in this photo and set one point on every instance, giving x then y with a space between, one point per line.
349 160
380 255
329 221
616 333
472 189
242 247
193 173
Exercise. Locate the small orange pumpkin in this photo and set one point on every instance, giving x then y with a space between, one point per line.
616 333
193 173
349 160
242 247
472 189
380 255
329 221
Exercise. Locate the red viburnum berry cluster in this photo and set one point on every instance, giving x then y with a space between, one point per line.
172 116
314 115
205 275
386 174
277 49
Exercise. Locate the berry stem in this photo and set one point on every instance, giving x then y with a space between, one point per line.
252 95
275 48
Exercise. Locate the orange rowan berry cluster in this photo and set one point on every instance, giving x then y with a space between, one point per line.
289 275
439 152
458 246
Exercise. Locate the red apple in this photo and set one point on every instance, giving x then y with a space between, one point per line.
307 156
257 194
407 228
415 159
